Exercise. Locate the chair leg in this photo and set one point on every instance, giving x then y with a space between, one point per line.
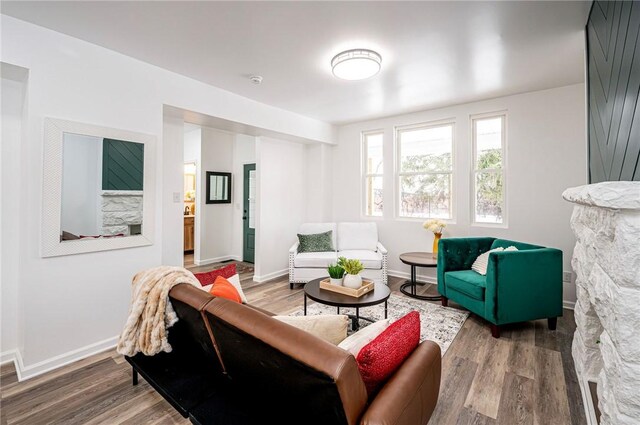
445 301
134 376
495 331
290 285
552 322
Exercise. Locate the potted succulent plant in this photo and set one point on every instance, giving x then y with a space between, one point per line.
336 273
352 268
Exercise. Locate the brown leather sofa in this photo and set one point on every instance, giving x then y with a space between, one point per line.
233 364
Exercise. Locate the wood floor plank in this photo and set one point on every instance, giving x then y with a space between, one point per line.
545 338
550 393
53 375
151 415
31 402
469 417
476 341
454 388
521 359
146 398
516 402
486 390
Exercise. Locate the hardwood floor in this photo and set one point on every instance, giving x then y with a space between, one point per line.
525 377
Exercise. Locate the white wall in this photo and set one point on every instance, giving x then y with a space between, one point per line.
216 220
281 203
76 305
192 145
81 156
13 92
319 182
244 152
546 153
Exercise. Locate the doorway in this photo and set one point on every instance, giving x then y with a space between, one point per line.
189 211
248 217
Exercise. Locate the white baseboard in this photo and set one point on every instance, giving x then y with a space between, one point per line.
270 276
8 356
33 370
570 305
216 260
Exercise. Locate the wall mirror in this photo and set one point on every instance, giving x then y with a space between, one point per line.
218 188
96 189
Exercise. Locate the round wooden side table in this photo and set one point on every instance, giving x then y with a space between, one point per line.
417 259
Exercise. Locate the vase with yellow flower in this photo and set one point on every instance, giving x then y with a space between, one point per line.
437 227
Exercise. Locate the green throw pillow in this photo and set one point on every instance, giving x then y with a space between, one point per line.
319 242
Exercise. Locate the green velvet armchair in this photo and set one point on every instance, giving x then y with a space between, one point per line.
519 286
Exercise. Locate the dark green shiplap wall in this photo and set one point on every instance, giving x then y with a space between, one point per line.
122 165
613 52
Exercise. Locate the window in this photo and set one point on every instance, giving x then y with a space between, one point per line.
373 172
488 169
425 170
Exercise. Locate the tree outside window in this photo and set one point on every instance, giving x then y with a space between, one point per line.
488 143
425 171
373 173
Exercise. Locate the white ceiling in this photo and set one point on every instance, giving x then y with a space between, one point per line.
434 53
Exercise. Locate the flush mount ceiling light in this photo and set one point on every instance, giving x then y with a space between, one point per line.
356 64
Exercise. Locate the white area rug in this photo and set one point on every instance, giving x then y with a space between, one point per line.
437 323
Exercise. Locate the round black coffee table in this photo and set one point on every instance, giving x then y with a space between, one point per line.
379 295
417 259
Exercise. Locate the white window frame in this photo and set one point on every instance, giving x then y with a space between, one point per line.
398 174
475 171
364 152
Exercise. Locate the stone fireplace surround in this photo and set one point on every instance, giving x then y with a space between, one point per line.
120 211
606 260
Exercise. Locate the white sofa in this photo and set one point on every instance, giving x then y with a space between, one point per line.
350 240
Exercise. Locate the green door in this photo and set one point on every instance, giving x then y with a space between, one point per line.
249 221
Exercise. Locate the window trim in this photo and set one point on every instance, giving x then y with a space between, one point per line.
474 171
364 174
397 173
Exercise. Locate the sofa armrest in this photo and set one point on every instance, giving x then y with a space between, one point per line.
381 249
294 248
410 396
524 285
458 254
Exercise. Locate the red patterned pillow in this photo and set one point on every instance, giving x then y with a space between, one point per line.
207 278
379 359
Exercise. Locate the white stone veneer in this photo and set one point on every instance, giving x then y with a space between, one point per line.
606 259
120 209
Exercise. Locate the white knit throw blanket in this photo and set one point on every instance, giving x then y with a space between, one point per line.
151 314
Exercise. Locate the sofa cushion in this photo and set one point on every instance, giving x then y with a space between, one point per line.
207 278
235 281
224 289
369 259
379 359
314 228
316 242
467 282
357 236
355 342
315 259
330 327
482 262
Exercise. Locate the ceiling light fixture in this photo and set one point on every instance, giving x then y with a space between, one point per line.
356 64
256 79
